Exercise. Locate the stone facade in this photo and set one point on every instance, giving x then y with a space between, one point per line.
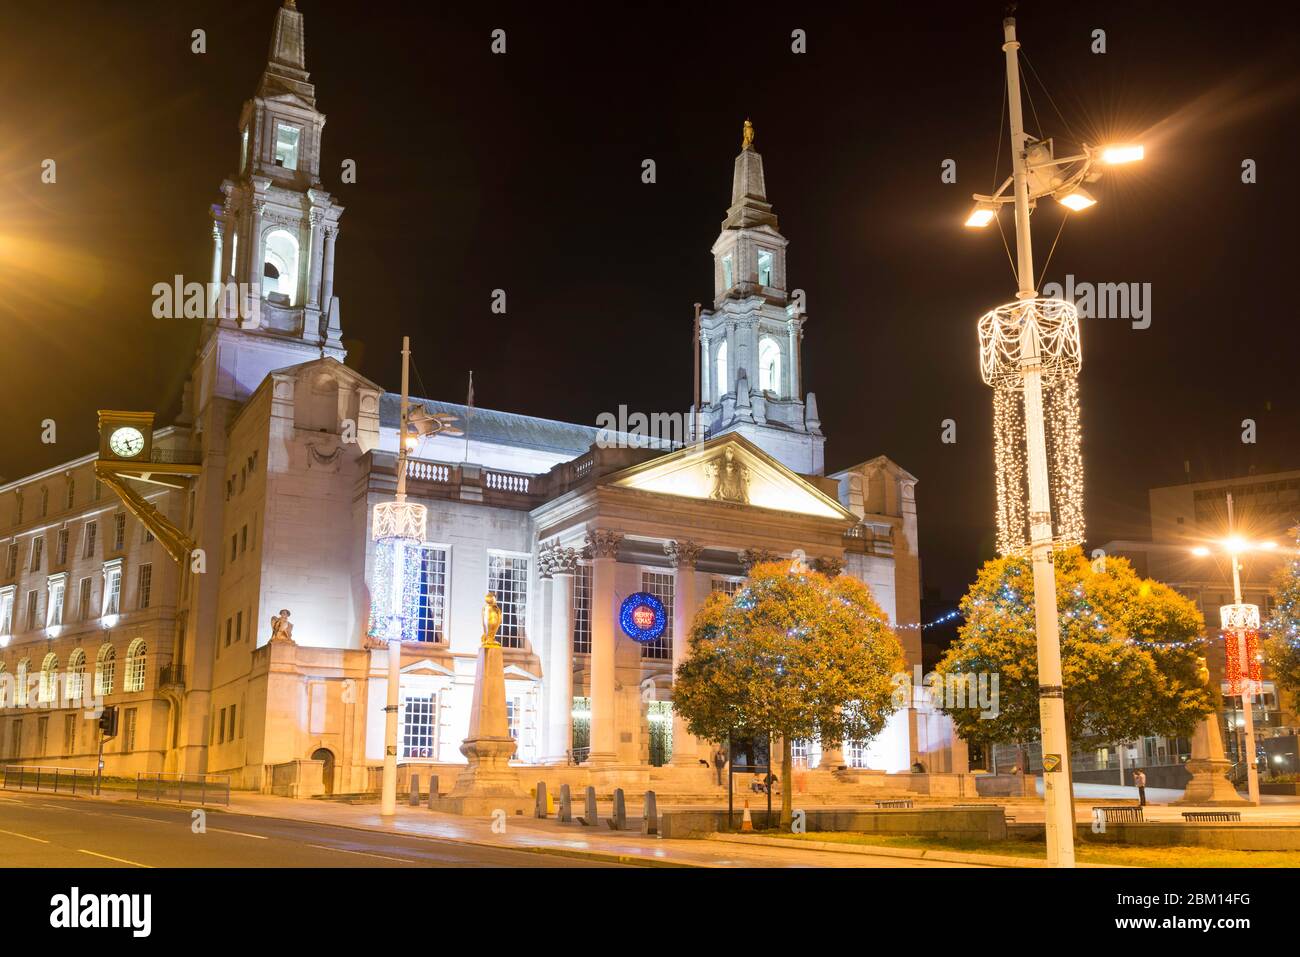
296 451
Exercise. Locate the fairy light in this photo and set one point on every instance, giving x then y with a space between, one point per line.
1002 362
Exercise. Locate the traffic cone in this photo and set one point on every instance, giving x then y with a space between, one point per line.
746 822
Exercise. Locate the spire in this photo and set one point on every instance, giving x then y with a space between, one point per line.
749 205
286 67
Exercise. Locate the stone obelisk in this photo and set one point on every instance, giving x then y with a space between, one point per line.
1208 765
488 783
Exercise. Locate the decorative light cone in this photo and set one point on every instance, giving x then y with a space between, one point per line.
398 531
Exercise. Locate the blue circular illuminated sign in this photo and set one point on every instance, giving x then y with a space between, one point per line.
642 616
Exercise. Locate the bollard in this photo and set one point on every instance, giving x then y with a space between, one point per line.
433 791
650 823
619 821
541 807
566 805
589 817
415 790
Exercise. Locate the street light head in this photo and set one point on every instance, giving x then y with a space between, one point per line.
1114 155
1236 545
1077 199
981 216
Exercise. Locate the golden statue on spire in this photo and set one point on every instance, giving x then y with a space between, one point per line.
747 139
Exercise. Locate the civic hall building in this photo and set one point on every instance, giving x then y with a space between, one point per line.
147 575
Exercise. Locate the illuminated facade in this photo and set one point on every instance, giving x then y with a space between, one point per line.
297 450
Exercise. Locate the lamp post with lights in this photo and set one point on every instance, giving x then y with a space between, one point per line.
1238 619
1026 346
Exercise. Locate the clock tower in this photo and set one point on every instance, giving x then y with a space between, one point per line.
274 233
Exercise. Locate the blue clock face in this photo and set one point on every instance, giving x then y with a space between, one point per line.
643 617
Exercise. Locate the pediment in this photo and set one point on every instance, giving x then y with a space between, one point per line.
427 666
729 469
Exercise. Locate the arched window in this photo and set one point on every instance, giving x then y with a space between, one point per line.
49 678
135 666
76 685
280 267
723 382
105 668
20 678
769 365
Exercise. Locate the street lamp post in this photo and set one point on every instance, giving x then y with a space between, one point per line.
1025 347
1237 619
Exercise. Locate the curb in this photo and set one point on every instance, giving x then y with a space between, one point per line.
951 857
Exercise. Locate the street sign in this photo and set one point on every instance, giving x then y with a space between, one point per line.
1051 762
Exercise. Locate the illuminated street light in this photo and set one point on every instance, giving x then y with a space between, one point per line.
981 216
1076 199
1237 619
1114 155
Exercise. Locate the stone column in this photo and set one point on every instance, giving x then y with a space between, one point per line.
706 371
253 273
604 735
218 244
313 276
559 660
327 276
684 554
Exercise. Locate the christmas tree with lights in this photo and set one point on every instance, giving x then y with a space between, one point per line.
1282 648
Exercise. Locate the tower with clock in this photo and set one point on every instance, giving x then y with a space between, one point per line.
125 437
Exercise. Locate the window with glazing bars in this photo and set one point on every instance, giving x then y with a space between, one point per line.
431 616
582 611
419 726
660 584
508 580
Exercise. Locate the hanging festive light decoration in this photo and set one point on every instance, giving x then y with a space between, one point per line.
1241 675
1013 337
398 531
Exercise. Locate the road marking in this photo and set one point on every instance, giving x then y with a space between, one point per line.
151 820
344 850
222 830
39 840
109 857
56 807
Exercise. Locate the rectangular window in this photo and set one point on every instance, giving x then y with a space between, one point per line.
728 586
230 624
221 727
119 531
144 585
148 535
54 607
508 580
239 626
286 146
243 149
31 609
128 730
726 272
764 268
432 614
660 584
113 590
83 600
16 738
514 714
233 710
61 549
38 548
70 734
582 610
72 492
11 566
420 726
7 611
42 735
234 546
243 540
88 546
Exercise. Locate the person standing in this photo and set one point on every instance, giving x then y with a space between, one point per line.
1140 779
719 762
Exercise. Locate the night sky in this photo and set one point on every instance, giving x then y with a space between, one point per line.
522 172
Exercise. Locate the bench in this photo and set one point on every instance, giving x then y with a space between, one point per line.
1120 815
1202 816
900 803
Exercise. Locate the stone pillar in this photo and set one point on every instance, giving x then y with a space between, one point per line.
604 735
218 245
313 277
684 554
706 371
1209 785
253 271
792 376
559 661
327 275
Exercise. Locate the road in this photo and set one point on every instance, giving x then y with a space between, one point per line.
42 830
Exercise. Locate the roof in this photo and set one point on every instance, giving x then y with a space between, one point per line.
501 428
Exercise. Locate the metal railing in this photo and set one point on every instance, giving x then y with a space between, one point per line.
196 788
171 675
28 777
